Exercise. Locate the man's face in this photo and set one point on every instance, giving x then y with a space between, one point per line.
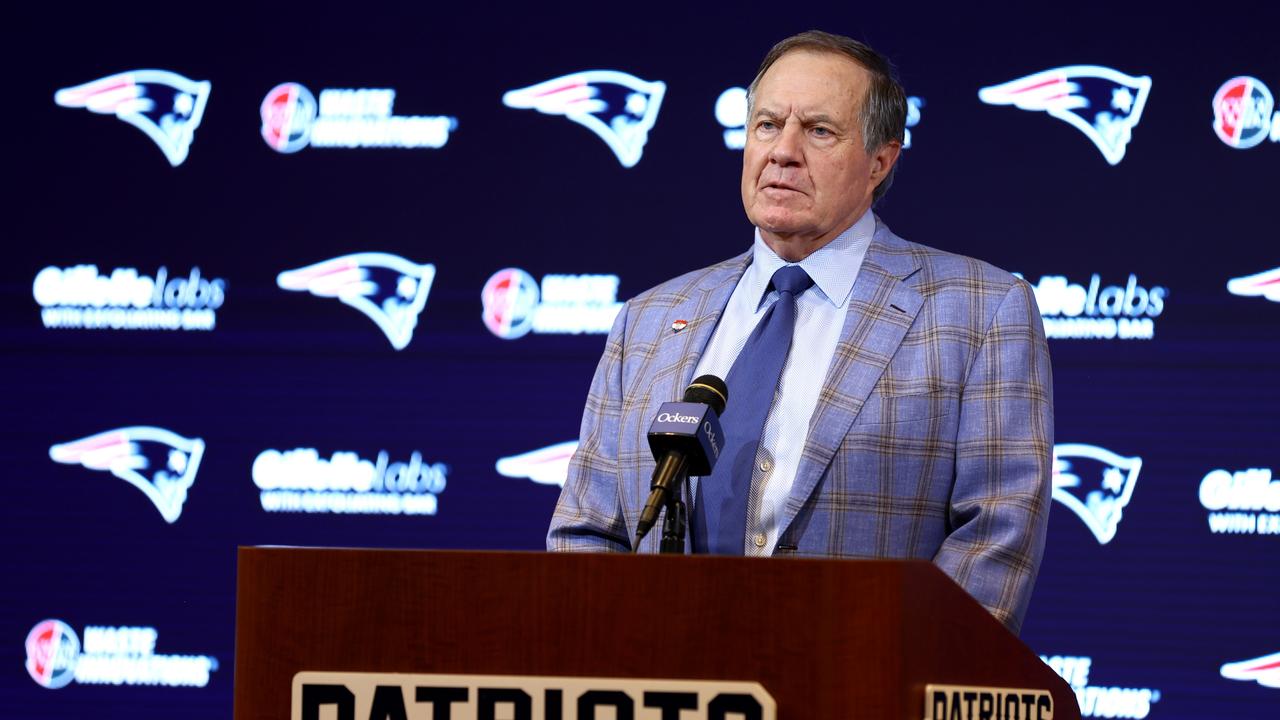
805 175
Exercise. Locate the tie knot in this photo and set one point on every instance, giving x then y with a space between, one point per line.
791 279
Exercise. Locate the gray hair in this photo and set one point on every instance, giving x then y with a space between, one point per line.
884 109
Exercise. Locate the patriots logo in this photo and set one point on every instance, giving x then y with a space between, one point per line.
166 106
620 108
1100 102
160 463
1265 670
1266 284
545 466
1099 503
388 289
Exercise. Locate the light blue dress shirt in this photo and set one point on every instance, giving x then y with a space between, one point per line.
820 314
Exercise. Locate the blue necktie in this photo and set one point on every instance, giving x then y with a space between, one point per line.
720 509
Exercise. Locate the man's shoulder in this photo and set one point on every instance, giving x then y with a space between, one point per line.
684 287
934 271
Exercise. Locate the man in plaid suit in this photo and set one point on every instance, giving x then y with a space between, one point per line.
914 415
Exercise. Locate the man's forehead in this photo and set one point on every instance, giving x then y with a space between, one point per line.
818 62
817 72
811 82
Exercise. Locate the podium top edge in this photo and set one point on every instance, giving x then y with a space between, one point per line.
257 550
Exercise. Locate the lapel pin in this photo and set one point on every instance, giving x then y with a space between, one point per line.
679 325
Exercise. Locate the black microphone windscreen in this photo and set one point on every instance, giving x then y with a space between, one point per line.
708 390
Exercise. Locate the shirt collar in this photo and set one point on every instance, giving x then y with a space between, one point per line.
829 265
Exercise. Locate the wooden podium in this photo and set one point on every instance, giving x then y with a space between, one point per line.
825 638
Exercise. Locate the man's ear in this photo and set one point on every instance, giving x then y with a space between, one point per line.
882 160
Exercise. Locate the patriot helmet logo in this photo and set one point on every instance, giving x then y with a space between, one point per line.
1098 498
165 105
158 462
1264 670
619 108
510 299
388 289
545 466
1265 284
1102 103
288 112
1242 112
52 653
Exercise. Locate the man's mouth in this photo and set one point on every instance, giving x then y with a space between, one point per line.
781 188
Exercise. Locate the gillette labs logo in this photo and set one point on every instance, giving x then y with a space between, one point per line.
81 298
1075 312
158 462
301 481
1100 102
165 105
515 304
731 113
1101 701
346 118
1244 502
110 656
388 289
545 466
1242 113
619 108
1095 484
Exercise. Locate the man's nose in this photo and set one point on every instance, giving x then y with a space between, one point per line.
786 150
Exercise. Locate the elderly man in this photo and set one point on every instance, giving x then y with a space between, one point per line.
886 400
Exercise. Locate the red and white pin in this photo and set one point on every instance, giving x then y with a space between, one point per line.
679 325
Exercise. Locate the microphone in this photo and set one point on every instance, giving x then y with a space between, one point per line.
686 439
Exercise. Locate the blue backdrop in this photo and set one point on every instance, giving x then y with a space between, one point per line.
337 274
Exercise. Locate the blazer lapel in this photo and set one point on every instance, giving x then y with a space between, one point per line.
882 308
702 310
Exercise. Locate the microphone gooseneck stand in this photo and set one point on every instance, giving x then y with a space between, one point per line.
674 524
675 520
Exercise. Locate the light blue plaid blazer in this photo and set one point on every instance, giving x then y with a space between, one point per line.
932 437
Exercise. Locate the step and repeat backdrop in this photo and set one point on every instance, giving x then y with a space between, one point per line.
339 275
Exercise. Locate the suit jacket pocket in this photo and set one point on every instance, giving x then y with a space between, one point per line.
882 409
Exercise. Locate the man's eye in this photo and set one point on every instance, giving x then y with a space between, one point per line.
821 132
